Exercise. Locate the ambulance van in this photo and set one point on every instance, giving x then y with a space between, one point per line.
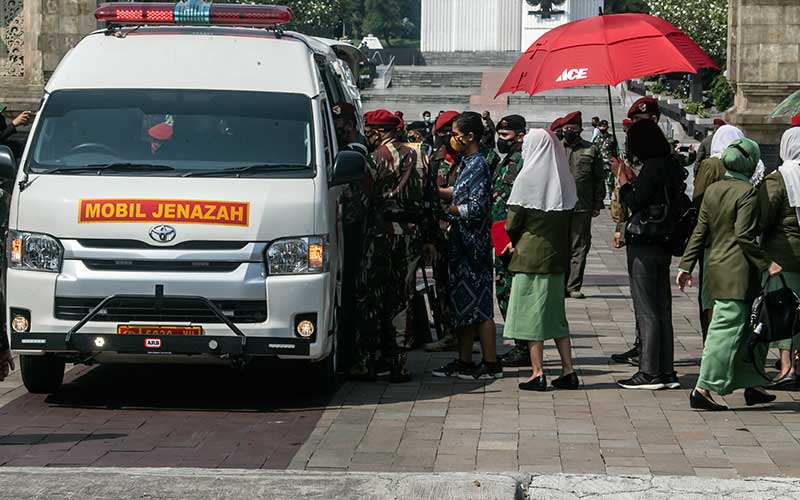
179 198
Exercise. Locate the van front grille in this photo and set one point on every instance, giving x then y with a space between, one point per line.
174 266
169 310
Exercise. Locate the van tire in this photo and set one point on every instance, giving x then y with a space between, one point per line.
327 370
42 374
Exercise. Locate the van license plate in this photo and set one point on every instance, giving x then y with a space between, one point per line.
185 331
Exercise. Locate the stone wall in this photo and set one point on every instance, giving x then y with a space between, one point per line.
763 63
64 23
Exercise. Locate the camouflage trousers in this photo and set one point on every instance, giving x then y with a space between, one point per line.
383 295
442 279
502 285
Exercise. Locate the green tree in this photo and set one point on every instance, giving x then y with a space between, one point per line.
705 21
313 17
388 18
622 6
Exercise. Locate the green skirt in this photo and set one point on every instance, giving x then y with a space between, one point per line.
726 366
536 309
793 281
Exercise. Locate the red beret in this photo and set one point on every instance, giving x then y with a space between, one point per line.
796 120
644 106
574 118
161 132
446 119
343 110
557 124
626 122
718 122
382 118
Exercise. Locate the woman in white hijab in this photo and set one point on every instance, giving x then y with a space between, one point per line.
780 211
540 207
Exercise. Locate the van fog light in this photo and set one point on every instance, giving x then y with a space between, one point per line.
99 342
213 344
20 324
305 329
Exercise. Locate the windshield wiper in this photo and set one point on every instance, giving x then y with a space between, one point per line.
110 168
251 169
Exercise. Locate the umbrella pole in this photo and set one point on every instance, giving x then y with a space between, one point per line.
613 126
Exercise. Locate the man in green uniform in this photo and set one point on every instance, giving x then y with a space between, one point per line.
383 275
609 149
355 204
586 164
510 134
442 173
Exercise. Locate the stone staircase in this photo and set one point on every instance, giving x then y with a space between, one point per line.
494 59
417 77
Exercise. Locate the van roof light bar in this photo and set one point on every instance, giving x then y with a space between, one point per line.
192 13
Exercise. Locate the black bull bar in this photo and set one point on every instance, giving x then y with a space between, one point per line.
232 346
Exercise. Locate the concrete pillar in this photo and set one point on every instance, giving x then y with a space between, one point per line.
763 65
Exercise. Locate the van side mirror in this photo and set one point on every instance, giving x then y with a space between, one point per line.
8 165
349 167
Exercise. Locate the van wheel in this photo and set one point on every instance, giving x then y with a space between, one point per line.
327 370
42 374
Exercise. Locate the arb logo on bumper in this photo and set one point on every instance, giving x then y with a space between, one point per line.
152 343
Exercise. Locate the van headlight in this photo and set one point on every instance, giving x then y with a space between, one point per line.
34 252
306 255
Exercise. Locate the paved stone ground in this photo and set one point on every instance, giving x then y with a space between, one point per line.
439 425
123 416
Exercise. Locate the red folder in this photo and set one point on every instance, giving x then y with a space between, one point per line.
500 237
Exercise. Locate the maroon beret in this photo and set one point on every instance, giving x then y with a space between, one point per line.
644 106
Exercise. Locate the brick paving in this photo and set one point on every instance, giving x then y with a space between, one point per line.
440 425
137 416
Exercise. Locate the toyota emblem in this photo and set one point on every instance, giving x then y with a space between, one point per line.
163 234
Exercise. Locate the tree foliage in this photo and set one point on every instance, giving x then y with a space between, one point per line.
314 17
388 18
705 21
622 6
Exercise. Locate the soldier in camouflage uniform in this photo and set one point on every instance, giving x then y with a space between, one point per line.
355 203
510 134
442 173
609 149
395 195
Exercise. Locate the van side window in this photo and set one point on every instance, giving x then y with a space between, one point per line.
329 139
330 80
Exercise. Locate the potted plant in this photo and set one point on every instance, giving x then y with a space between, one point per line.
692 109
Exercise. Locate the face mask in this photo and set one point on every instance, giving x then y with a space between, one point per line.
439 141
571 135
560 134
373 140
427 119
504 145
456 145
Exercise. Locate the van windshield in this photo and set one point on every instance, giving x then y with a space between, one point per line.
173 132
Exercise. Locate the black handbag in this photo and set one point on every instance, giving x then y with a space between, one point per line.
651 225
774 315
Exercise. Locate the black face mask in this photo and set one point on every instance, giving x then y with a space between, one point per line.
504 145
571 136
560 134
439 141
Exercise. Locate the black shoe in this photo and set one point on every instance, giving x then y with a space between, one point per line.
786 383
754 397
516 358
538 384
627 357
569 382
699 402
670 380
382 367
452 368
642 381
398 373
484 371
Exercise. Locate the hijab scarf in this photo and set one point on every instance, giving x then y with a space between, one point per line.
790 170
723 138
545 181
740 159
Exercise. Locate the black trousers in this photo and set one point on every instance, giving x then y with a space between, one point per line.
652 304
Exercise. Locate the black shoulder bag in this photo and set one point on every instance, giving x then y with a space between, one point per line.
652 224
774 316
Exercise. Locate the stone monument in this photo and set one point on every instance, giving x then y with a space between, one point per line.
763 65
34 36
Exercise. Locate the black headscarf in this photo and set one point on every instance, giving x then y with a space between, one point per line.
647 141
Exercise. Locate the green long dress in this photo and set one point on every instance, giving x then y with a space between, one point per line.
536 310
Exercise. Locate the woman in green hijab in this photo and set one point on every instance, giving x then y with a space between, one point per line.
727 228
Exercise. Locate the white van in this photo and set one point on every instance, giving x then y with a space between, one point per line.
179 196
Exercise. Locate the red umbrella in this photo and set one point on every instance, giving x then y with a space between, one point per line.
605 50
